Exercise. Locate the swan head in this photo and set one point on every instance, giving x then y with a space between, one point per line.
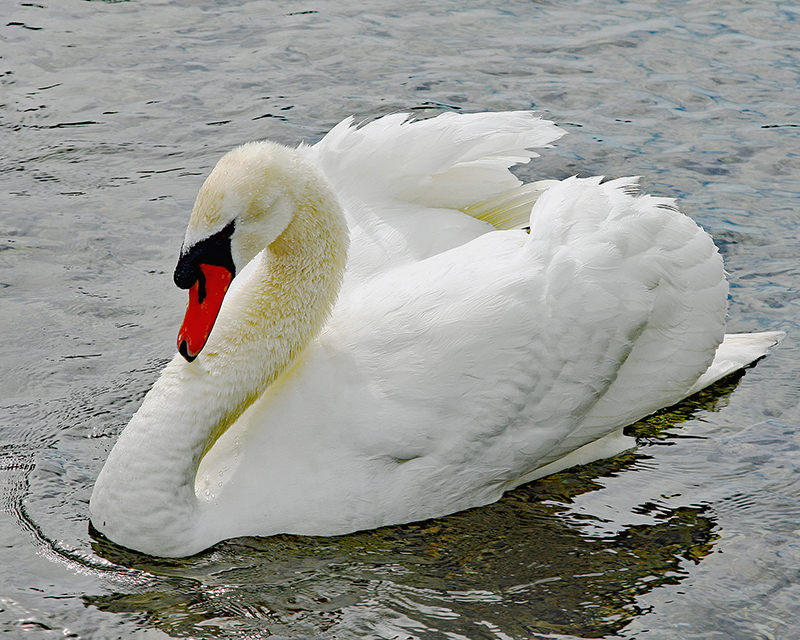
245 204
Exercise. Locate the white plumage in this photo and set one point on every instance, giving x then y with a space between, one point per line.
444 362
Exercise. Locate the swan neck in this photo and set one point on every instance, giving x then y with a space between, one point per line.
289 298
280 309
145 495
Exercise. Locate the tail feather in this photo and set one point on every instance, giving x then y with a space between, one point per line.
736 351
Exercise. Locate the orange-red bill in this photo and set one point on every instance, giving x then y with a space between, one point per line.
205 300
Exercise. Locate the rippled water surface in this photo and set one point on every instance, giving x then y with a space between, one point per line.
111 114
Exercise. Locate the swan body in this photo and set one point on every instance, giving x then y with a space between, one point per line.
395 346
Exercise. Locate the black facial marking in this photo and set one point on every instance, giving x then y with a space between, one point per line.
184 350
215 249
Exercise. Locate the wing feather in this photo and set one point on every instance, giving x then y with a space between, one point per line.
451 161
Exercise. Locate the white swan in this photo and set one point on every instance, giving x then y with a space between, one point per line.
458 361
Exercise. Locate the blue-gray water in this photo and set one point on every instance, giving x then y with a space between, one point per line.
112 113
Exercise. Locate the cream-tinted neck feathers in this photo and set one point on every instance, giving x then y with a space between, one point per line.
283 205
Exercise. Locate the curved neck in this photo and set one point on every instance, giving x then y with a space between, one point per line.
144 496
279 310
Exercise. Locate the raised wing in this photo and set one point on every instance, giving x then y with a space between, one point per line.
451 161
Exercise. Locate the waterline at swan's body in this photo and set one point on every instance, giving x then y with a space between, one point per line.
401 348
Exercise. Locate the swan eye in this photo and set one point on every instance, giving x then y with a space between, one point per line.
214 250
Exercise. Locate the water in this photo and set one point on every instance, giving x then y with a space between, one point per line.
113 112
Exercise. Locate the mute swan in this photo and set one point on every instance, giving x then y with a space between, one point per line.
444 357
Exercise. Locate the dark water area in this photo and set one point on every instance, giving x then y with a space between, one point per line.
112 114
